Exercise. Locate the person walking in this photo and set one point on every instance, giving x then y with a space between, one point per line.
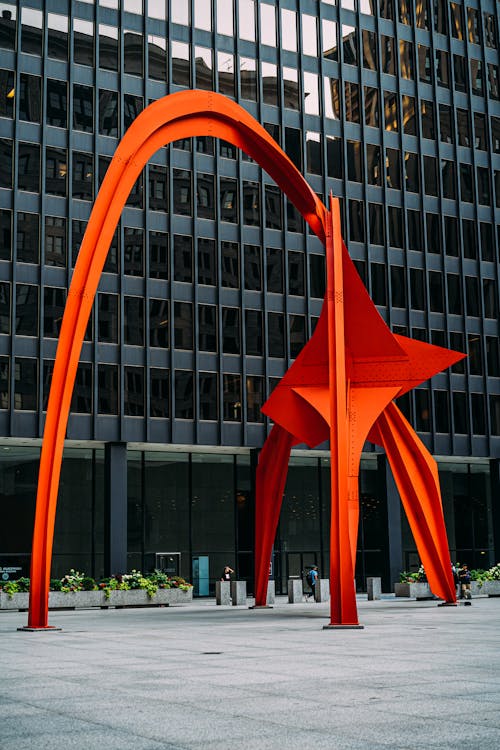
312 578
465 579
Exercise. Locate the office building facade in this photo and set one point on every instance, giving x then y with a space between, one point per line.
213 284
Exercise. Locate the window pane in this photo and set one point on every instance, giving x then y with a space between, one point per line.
207 263
183 325
253 333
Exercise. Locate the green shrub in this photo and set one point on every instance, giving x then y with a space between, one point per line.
88 584
55 584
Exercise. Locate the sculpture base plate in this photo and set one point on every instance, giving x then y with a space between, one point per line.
41 629
261 606
343 627
448 604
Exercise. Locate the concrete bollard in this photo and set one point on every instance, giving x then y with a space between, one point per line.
271 592
239 592
322 590
223 592
295 593
374 588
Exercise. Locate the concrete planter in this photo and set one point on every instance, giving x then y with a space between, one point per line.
86 599
491 588
413 590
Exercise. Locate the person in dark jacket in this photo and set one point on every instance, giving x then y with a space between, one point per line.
226 573
465 579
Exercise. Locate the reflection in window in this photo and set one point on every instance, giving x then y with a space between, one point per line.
159 401
203 68
415 235
354 161
492 356
158 255
28 165
406 59
391 111
448 178
231 336
133 323
253 268
248 78
409 115
225 73
398 287
133 251
422 410
460 413
451 235
424 64
203 15
28 241
253 333
31 30
182 192
181 63
274 263
133 391
297 333
132 106
8 25
209 396
430 176
180 12
309 35
6 234
371 107
376 221
373 165
369 39
412 180
317 275
56 171
81 401
396 228
108 113
83 42
4 307
268 24
26 310
158 187
269 83
107 389
352 101
334 157
427 119
442 68
456 21
4 380
207 263
54 300
157 57
183 325
83 176
107 318
205 196
466 183
30 98
246 14
55 241
276 334
183 258
356 221
388 55
350 44
289 30
291 88
230 265
228 199
460 72
296 270
207 328
232 398
25 384
158 323
83 108
378 283
108 47
255 398
57 36
331 98
314 157
330 41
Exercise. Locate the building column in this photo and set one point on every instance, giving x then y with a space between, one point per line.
495 505
115 508
393 519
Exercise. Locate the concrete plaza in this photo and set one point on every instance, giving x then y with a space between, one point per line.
222 678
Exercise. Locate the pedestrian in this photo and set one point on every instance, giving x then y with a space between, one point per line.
456 580
465 579
226 573
312 577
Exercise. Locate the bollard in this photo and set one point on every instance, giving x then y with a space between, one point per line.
374 588
295 593
271 591
322 590
223 592
239 592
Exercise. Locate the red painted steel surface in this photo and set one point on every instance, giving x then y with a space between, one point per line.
343 379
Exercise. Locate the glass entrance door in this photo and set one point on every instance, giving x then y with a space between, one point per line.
299 563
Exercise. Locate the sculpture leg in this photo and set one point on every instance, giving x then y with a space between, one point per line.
416 476
269 486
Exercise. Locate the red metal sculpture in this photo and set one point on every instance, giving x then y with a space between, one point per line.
332 390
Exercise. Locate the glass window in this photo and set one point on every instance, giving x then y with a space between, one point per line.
459 70
373 165
376 220
406 59
483 186
493 82
490 296
490 30
422 410
463 127
296 270
487 241
431 182
107 389
442 68
442 411
309 35
476 76
448 177
398 286
230 265
317 275
251 203
179 12
4 365
331 98
158 255
31 30
255 398
83 176
440 16
57 36
207 328
267 24
356 221
203 15
289 30
207 262
369 41
436 291
181 63
83 108
427 119
28 176
314 157
228 200
107 319
475 358
108 113
158 323
246 14
417 289
396 229
54 301
291 91
424 64
26 310
433 231
225 73
276 334
412 180
480 132
415 236
311 94
393 168
108 47
330 41
203 64
28 238
253 333
183 258
25 384
157 57
8 26
182 192
132 106
473 302
388 55
378 283
371 107
231 336
133 251
391 111
133 314
158 187
297 334
159 401
460 413
466 183
56 171
133 395
4 307
354 161
492 356
232 398
350 44
469 238
445 124
6 234
274 263
83 42
269 82
248 78
409 115
30 98
253 267
205 196
209 396
334 157
183 325
457 21
55 241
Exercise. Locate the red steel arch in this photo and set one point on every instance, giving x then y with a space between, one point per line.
181 115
